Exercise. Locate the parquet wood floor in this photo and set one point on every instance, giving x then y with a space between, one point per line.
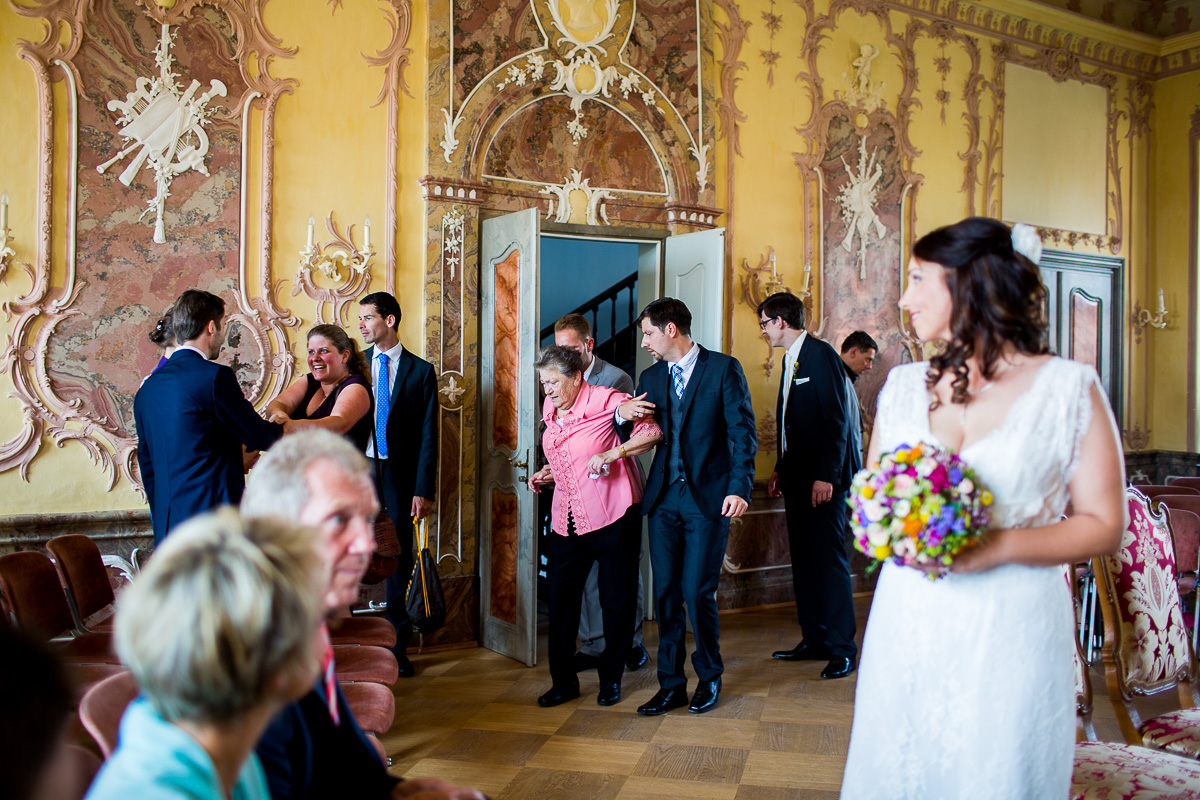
470 716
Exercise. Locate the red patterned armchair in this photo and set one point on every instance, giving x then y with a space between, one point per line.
1146 648
1112 771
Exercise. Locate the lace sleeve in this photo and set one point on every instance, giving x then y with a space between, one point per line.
897 391
1079 412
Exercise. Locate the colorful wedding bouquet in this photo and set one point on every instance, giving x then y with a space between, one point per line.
919 507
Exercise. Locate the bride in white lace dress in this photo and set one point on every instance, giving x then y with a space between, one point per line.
965 689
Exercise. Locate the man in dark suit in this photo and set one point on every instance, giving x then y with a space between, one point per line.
812 473
858 355
701 477
403 446
314 748
575 332
192 420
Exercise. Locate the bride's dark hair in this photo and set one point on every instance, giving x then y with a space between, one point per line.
998 297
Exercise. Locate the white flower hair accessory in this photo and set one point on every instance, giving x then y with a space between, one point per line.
1025 240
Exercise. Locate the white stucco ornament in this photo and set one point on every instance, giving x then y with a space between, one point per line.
857 198
166 127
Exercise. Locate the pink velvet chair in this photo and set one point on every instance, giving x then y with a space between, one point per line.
1179 480
1154 490
1146 649
83 574
102 708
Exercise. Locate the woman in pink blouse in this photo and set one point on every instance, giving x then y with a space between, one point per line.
596 518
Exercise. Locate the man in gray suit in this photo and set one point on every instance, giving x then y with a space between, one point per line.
858 354
575 332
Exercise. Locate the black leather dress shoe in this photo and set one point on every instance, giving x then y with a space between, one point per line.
706 696
839 667
804 652
636 658
558 695
663 701
407 670
584 662
610 694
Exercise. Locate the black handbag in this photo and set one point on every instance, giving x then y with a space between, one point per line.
425 602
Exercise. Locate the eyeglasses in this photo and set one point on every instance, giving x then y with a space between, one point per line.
762 325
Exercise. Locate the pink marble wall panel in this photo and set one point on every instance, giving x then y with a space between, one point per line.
100 355
870 303
534 145
1085 329
663 47
486 34
508 364
449 468
504 556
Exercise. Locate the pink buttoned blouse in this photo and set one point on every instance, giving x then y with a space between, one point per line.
585 430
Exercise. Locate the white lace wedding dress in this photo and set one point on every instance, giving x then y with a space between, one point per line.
965 688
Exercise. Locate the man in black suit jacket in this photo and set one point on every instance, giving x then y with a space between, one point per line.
701 477
812 473
192 420
403 447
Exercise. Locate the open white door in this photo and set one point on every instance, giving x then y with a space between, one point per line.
695 273
507 509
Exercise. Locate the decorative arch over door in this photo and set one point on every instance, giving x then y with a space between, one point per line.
597 112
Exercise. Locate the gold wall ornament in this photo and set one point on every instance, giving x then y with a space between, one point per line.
329 258
595 209
1141 317
166 128
761 282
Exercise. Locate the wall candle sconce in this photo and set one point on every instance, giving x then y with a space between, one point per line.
1142 316
6 252
762 281
330 259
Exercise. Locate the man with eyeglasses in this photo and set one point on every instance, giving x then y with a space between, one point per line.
812 474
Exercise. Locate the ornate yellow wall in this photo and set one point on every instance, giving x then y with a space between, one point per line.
359 127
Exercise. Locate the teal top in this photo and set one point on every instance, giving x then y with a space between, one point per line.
156 760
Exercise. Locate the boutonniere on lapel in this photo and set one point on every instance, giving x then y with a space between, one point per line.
798 381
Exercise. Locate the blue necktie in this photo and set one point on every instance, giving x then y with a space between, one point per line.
382 402
677 379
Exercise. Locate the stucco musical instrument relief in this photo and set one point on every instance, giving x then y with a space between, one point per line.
165 126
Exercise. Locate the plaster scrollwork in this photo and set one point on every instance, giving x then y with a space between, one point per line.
36 315
857 199
165 126
451 389
330 258
560 200
453 239
449 141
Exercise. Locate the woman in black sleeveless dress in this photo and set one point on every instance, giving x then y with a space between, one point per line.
335 395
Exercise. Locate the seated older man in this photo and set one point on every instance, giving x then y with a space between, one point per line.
315 748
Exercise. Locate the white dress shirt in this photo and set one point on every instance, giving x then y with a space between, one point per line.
203 354
687 364
789 363
393 357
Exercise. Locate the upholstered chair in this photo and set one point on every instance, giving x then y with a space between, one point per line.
1113 771
1146 649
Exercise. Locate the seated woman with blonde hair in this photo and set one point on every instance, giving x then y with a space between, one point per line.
335 395
221 631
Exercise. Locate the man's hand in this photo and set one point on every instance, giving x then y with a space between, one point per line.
822 493
249 458
773 489
433 789
733 506
421 506
540 478
636 408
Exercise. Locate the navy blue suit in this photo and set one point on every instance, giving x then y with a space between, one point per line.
410 470
304 755
716 442
192 420
818 449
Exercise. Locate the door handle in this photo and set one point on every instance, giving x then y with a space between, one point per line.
520 464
